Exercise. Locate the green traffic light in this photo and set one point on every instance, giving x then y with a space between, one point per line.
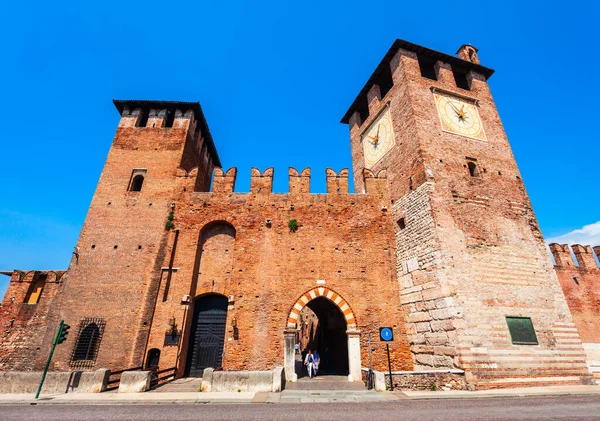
63 332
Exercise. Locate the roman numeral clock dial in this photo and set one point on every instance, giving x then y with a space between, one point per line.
378 139
459 115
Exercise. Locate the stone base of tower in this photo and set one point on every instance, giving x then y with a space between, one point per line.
528 366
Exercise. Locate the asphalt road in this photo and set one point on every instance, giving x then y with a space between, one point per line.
546 408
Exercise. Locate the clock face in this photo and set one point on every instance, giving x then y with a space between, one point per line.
459 116
378 139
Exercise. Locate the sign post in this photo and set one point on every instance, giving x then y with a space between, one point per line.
61 336
387 335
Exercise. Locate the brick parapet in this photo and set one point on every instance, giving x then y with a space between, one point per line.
24 327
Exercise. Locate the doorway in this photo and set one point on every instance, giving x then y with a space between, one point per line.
322 329
328 326
208 334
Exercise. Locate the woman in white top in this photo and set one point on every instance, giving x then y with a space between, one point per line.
309 362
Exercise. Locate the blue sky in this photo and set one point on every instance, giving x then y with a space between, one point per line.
274 79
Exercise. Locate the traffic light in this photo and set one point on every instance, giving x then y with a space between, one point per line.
63 331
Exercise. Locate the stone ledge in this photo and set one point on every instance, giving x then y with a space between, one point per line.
55 382
450 379
243 381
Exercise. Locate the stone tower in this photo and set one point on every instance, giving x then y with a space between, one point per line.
478 289
113 277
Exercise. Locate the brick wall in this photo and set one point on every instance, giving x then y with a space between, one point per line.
581 286
27 328
264 268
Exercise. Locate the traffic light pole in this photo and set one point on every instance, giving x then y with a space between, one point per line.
54 343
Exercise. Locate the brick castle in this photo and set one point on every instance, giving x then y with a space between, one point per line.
174 268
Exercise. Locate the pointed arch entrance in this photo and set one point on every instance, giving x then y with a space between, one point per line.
324 302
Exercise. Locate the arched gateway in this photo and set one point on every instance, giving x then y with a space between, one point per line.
315 296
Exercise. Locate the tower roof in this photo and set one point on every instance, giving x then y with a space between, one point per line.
145 104
420 50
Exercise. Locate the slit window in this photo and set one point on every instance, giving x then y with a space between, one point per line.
137 179
521 331
401 223
460 78
87 345
427 67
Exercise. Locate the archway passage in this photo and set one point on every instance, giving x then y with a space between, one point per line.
208 334
325 303
322 328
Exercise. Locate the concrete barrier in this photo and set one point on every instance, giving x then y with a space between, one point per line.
56 381
243 381
135 381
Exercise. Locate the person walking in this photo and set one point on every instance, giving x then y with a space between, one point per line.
317 362
309 362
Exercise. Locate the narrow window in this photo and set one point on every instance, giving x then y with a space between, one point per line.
460 77
521 331
137 179
427 67
136 183
35 291
401 223
87 345
153 359
473 169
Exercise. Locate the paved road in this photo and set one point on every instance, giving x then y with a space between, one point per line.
546 408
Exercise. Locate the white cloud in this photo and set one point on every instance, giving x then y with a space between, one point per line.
588 235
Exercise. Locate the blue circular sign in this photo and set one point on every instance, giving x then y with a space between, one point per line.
386 334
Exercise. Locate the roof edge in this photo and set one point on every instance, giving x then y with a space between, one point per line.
120 104
424 51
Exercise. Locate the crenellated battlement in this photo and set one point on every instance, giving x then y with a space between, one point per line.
224 182
583 254
299 182
155 115
337 183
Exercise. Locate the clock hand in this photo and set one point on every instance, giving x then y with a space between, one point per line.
453 107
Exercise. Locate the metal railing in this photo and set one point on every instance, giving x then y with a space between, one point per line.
161 376
115 378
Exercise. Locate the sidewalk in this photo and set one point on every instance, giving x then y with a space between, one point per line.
289 396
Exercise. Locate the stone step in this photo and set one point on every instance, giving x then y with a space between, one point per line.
188 384
305 396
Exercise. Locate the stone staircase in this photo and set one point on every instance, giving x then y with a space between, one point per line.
187 384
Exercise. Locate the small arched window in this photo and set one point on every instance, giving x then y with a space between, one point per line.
137 179
136 183
88 342
473 169
153 358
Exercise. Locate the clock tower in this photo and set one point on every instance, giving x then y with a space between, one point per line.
477 287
